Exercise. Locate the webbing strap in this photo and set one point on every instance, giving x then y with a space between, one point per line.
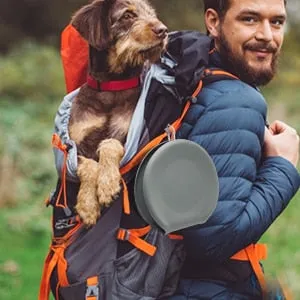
173 236
126 205
92 289
133 236
49 265
254 253
55 258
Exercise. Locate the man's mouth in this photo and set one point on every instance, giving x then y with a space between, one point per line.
262 53
262 49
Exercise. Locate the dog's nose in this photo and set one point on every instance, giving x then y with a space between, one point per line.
160 30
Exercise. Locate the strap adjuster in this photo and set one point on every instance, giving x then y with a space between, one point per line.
123 234
92 291
133 236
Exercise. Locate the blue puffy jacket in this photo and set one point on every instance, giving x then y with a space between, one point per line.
229 120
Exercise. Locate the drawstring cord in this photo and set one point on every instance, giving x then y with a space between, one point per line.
57 143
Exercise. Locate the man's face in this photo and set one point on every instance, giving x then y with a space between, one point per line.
250 38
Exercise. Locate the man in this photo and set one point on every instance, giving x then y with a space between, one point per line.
255 164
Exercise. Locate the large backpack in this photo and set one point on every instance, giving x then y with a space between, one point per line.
122 257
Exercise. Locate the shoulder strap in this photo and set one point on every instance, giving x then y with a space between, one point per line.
211 75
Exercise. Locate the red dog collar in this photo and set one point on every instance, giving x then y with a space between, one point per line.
117 85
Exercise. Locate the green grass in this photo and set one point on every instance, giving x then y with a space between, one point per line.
21 258
283 240
27 176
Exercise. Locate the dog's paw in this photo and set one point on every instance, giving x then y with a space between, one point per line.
108 185
110 153
88 211
87 206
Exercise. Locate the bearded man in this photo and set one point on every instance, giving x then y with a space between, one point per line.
256 163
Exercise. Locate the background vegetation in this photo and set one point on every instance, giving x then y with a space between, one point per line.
31 88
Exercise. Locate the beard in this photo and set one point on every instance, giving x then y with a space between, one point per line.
237 64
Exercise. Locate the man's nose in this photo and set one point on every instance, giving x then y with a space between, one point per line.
264 32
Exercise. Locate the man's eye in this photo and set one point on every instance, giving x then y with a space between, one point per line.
249 19
278 22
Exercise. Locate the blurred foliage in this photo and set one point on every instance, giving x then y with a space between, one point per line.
31 71
44 20
39 19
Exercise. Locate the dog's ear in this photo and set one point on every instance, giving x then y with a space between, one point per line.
93 22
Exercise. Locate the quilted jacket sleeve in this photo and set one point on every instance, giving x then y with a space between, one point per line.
228 120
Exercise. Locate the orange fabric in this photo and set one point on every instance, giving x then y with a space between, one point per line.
141 244
175 237
133 237
57 292
49 266
92 281
47 201
55 258
220 72
254 253
126 205
198 89
74 55
123 233
260 250
50 263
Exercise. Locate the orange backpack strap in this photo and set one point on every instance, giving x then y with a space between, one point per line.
74 54
254 253
55 258
133 236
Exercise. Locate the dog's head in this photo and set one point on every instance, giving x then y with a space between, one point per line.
128 30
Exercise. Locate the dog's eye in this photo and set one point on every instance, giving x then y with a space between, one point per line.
128 15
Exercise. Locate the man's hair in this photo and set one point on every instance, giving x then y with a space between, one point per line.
220 6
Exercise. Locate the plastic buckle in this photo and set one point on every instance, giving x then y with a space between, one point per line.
207 72
123 234
171 132
92 291
127 235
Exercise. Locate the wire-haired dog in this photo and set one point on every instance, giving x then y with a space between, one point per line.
122 35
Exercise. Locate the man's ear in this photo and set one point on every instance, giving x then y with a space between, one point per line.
92 21
212 22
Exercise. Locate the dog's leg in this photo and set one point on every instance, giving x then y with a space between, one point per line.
110 153
87 205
